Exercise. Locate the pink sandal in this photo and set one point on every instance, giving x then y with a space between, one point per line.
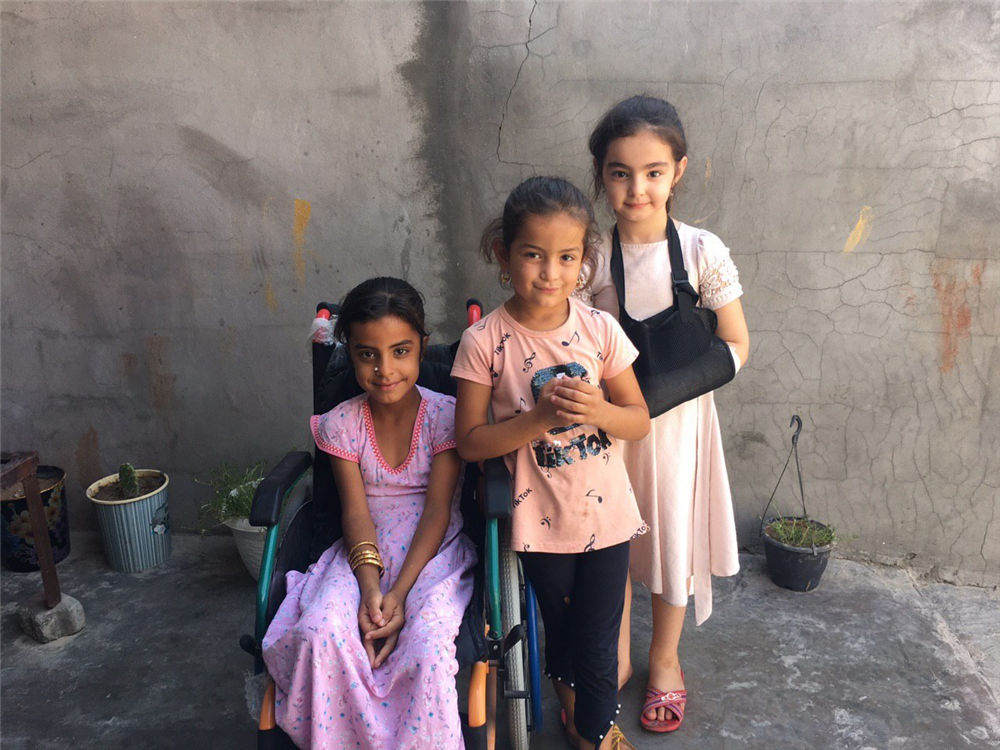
674 701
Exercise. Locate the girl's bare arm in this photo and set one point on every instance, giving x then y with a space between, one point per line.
478 439
433 521
733 329
356 518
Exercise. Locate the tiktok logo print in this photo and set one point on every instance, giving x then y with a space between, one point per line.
580 448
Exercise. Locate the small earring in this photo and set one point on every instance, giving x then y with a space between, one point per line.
581 282
376 369
504 277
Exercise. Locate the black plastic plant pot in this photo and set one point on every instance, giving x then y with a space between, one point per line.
795 568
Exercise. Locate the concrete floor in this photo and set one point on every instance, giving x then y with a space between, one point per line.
870 660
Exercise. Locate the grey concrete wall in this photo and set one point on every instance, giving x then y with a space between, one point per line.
181 184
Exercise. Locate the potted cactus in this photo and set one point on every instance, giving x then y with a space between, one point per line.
230 506
133 517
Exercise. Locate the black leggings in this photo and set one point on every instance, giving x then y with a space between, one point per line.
581 637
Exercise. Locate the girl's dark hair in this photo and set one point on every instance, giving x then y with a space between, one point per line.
632 116
377 298
543 196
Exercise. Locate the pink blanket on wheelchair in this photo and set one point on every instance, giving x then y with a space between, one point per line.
327 695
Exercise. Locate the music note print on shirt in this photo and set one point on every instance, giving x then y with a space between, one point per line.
592 494
520 407
590 544
572 339
529 362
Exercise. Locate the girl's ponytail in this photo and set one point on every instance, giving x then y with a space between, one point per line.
492 234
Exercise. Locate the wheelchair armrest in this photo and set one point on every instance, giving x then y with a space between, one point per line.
497 489
267 499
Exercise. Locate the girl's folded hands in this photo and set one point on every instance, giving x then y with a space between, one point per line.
577 401
381 618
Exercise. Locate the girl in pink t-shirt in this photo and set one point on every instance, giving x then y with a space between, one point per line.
539 361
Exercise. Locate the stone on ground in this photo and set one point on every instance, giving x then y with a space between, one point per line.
46 625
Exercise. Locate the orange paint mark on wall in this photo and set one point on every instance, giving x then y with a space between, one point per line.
977 274
272 301
303 210
861 230
956 316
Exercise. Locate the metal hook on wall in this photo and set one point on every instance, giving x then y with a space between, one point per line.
797 424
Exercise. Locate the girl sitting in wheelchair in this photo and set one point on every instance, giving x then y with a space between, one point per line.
362 648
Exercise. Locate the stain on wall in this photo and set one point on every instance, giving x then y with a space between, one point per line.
861 230
953 297
88 458
161 380
302 213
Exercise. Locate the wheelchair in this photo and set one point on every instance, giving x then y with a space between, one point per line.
498 638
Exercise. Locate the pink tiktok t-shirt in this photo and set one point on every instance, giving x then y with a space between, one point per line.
571 492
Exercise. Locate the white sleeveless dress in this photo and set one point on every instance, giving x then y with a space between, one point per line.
678 470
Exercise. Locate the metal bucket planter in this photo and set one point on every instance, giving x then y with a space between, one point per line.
249 542
18 543
135 532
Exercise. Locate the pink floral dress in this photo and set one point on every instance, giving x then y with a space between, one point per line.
327 695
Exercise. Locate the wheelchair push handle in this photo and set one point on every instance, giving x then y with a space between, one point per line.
474 309
323 324
332 309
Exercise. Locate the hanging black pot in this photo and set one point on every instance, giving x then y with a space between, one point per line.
795 568
798 567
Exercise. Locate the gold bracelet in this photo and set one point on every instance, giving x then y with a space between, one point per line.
362 544
370 561
369 556
366 558
365 553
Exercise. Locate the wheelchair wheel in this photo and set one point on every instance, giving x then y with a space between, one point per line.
510 605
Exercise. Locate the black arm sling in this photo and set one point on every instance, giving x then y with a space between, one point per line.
680 357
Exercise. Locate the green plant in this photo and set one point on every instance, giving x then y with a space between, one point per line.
234 490
128 483
800 532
